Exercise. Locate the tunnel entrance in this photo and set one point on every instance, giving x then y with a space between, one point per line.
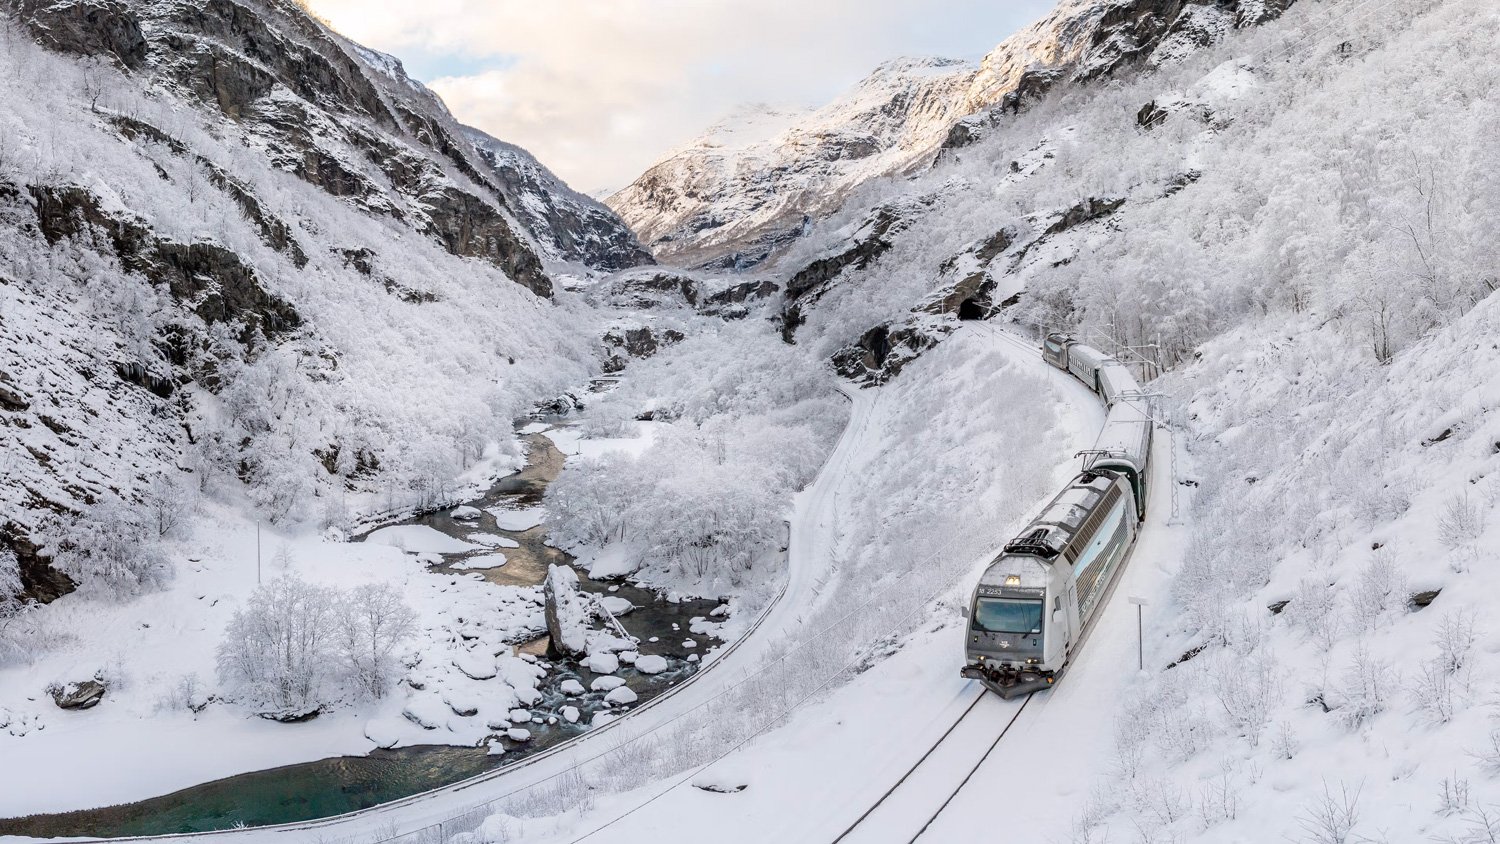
970 309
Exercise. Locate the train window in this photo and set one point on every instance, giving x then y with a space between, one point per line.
1053 347
1008 615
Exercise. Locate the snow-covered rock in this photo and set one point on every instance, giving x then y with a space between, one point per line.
606 684
518 734
651 664
492 540
476 665
419 539
479 561
570 714
570 687
462 703
384 733
517 521
465 513
602 663
519 716
617 606
427 711
522 677
628 657
621 696
568 611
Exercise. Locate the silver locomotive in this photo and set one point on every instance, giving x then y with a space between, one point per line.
1036 603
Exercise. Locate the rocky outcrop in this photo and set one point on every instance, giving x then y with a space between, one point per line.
470 227
882 352
85 27
84 695
349 121
40 582
210 279
638 342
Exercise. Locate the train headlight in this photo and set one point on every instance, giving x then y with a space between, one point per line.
1013 580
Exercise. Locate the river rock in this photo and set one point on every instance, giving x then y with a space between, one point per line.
603 663
570 714
651 664
570 687
567 612
85 695
607 684
384 733
292 716
519 716
462 705
617 606
465 513
475 665
620 696
628 657
518 734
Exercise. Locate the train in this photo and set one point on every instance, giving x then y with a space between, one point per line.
1038 600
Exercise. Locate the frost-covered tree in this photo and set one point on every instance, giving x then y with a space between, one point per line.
10 582
167 504
373 622
111 549
279 650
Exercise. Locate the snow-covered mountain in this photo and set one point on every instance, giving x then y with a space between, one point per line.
739 193
734 195
240 249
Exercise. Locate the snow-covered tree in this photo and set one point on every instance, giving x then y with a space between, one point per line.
278 653
373 622
110 549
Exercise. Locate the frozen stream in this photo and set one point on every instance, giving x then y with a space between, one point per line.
337 785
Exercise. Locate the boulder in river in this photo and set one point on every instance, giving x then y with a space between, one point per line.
567 611
85 695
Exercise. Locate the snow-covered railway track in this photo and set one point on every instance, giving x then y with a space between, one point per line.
924 791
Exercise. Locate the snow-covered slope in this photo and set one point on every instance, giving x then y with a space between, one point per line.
734 195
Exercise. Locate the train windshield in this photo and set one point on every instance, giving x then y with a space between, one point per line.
1008 615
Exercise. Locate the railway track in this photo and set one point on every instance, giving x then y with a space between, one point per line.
929 781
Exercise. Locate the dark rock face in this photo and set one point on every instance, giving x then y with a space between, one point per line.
880 353
85 27
641 342
85 695
40 582
869 243
1086 211
470 227
206 277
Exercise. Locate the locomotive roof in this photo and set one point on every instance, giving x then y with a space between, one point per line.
1051 531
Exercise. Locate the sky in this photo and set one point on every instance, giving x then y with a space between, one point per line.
598 89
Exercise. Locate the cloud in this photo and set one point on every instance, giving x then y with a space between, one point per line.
597 89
